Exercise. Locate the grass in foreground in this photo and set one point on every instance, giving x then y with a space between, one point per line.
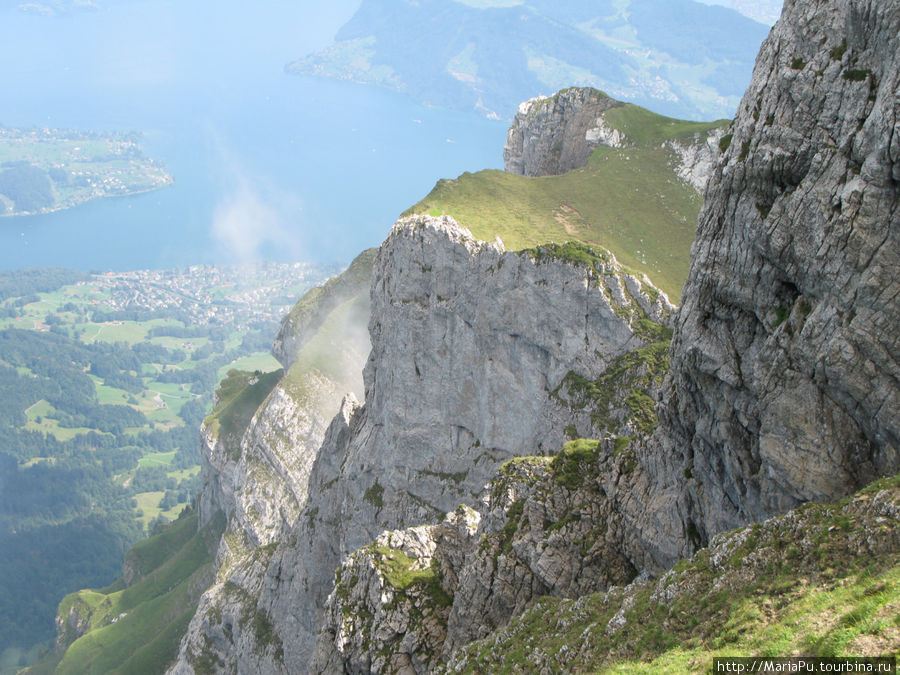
799 584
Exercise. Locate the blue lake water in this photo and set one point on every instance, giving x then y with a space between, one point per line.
266 165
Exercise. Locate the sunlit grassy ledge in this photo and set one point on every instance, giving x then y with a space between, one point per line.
628 200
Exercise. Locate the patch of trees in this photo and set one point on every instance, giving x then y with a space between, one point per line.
130 383
207 350
27 282
203 378
17 394
28 186
147 352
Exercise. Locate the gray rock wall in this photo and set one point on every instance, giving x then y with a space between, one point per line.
552 135
783 387
468 344
784 362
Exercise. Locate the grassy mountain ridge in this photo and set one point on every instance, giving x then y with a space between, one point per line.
137 628
628 200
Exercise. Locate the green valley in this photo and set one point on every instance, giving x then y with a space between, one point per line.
104 380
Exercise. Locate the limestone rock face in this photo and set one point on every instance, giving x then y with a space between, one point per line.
782 387
784 359
218 464
697 160
261 481
270 480
549 528
387 590
552 135
468 345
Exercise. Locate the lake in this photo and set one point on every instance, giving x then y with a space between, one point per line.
266 165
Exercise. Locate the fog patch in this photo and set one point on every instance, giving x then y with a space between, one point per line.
253 223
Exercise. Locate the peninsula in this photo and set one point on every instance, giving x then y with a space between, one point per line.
46 170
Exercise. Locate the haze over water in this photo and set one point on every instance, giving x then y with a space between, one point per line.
266 165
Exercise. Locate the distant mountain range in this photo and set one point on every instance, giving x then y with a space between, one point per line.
679 57
764 11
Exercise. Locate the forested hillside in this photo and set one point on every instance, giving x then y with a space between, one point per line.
104 381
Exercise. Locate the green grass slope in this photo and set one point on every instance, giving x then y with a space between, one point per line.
823 580
137 629
628 200
237 399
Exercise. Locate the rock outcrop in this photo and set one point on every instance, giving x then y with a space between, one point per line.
751 588
696 159
553 135
471 350
784 361
782 385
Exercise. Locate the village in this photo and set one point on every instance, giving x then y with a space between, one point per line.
238 296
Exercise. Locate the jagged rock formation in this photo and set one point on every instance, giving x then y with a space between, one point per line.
697 160
784 362
553 135
546 526
470 345
751 589
783 385
784 374
258 450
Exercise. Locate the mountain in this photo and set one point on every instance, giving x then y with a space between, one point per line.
764 11
598 161
680 57
551 465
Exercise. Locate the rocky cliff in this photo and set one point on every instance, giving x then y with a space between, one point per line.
259 444
555 134
784 361
490 370
472 356
552 135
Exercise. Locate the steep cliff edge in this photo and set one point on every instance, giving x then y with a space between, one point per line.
259 444
784 361
783 386
551 135
470 349
637 195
